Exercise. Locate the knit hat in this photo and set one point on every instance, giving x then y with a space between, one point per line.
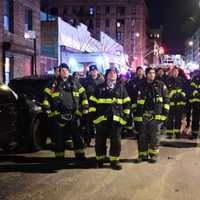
93 67
109 70
64 65
148 69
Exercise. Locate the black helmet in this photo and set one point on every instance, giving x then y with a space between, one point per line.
64 65
93 67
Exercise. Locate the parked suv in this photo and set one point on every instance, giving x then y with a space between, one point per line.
8 116
34 121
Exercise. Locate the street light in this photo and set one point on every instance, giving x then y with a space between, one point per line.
32 35
190 43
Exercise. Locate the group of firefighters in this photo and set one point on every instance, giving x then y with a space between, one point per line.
106 105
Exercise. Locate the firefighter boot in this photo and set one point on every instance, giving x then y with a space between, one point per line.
115 165
142 158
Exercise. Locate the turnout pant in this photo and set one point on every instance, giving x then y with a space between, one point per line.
106 130
149 138
61 131
195 120
174 120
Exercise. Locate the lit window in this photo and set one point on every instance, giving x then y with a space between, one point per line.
91 10
118 24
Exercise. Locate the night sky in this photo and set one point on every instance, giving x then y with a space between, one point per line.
180 19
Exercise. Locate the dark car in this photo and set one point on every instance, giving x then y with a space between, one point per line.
8 116
34 120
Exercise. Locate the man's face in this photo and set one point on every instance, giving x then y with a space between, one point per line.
64 73
140 73
112 75
94 73
151 75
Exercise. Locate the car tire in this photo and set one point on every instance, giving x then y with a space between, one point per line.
39 137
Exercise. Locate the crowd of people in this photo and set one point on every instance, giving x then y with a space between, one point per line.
102 106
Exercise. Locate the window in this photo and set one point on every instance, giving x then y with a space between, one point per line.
65 11
98 23
8 15
81 11
91 25
121 10
28 20
107 11
43 16
98 10
120 36
54 11
119 23
107 23
91 10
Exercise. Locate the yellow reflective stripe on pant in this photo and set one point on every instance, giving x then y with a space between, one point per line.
166 106
194 100
114 158
100 119
53 113
85 102
154 151
169 131
101 157
143 153
59 154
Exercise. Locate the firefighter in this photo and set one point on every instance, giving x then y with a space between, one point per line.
110 106
90 83
178 100
150 110
194 102
67 102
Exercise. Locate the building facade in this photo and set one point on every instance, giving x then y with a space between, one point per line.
19 55
123 20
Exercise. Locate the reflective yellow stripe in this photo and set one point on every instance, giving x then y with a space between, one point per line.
107 101
101 157
79 151
172 103
181 103
59 154
127 111
127 99
169 131
160 117
183 94
138 119
194 85
94 99
129 127
141 102
100 119
195 92
134 105
195 100
48 91
143 153
117 100
113 158
75 94
68 141
92 109
77 112
54 113
46 103
81 90
119 119
154 151
166 106
177 130
56 94
84 102
159 99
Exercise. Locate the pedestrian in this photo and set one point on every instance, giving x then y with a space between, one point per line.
150 110
110 106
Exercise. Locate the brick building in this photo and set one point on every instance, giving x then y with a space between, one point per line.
17 54
123 20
